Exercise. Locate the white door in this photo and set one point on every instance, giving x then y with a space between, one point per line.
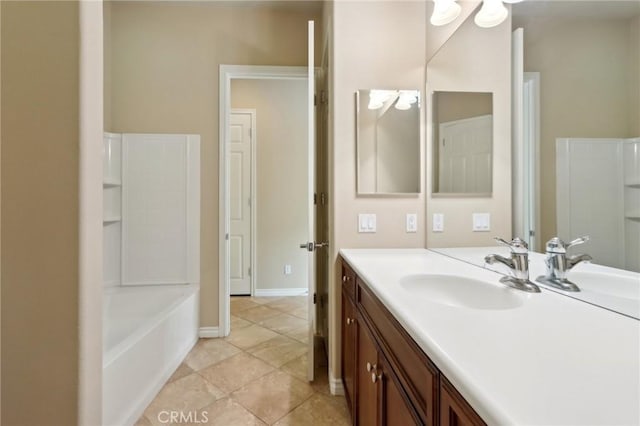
465 160
311 246
240 138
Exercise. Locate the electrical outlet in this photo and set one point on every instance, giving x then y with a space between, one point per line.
287 269
412 222
438 222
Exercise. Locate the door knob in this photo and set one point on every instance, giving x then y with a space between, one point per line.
311 246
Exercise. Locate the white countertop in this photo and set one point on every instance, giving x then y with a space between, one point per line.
553 360
631 285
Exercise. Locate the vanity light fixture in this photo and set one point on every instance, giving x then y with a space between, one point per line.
444 12
377 98
406 99
492 13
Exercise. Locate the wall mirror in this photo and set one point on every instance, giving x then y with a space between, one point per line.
462 156
388 141
581 103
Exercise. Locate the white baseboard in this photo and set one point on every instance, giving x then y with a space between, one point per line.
208 332
335 386
279 292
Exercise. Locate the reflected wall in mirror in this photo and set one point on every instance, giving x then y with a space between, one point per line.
582 58
463 129
388 141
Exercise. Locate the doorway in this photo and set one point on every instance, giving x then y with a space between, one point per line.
271 76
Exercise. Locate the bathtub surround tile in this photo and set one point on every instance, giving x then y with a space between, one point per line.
235 372
189 393
237 323
183 370
258 314
241 303
278 351
227 412
319 410
284 323
250 336
273 396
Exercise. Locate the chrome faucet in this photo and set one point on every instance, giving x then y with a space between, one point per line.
558 264
518 264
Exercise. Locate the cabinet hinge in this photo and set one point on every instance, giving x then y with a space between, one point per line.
315 298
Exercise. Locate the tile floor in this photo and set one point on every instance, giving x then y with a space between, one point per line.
255 376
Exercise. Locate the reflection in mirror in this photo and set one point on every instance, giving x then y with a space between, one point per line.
463 129
388 141
582 73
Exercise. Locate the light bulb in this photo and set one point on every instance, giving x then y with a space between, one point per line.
444 12
491 14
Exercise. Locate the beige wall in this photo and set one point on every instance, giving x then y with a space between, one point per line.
475 59
386 29
589 78
281 178
165 58
40 162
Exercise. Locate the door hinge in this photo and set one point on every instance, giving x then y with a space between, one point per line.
249 271
323 97
315 100
532 233
315 298
315 198
249 201
250 132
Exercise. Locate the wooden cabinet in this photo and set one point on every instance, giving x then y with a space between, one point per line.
388 379
349 335
454 411
380 399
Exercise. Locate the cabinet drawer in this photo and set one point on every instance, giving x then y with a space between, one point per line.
416 373
348 280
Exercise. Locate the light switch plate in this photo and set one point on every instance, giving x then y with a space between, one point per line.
366 222
481 222
412 222
438 222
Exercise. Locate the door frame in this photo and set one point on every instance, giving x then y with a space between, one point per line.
531 157
227 73
253 196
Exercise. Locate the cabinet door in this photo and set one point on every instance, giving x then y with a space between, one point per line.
454 410
349 334
367 365
395 407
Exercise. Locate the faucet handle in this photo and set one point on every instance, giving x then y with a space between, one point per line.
516 245
556 245
577 241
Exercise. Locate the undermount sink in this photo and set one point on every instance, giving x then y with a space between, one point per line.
461 292
608 284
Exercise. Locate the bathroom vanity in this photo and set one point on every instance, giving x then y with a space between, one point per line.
427 339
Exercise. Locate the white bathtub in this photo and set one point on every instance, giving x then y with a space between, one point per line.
147 332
